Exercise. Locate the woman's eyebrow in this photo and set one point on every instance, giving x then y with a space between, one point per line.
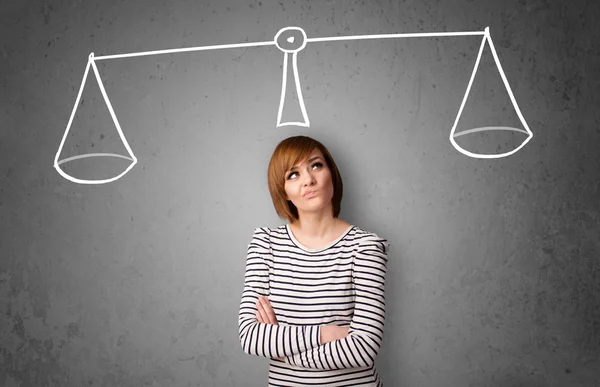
309 161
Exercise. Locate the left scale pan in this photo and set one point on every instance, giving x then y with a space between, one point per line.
130 157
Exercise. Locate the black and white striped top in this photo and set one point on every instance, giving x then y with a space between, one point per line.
340 284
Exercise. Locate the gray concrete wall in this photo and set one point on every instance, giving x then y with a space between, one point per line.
494 267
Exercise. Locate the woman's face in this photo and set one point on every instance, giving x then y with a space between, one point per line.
308 184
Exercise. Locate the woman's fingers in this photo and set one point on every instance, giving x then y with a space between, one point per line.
269 311
261 312
266 311
272 312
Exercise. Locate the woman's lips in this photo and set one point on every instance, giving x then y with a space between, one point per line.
310 194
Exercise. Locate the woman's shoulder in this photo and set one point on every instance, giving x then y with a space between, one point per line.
266 231
363 232
367 237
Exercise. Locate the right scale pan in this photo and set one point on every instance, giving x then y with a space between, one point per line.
489 123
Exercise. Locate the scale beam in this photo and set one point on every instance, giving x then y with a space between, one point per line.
290 40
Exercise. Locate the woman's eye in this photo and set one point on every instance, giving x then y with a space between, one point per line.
319 164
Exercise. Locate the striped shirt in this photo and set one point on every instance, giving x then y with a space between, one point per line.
340 284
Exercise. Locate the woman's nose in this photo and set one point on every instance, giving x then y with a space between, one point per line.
309 179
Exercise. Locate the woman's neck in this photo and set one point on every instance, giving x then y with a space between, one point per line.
321 228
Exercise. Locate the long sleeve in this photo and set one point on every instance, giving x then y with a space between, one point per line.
260 339
365 334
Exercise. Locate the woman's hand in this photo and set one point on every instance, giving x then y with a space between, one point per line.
332 333
265 313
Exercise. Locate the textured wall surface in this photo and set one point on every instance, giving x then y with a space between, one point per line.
494 271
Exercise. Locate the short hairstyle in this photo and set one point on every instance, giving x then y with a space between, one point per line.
288 153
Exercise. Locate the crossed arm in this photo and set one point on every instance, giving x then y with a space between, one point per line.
313 346
266 315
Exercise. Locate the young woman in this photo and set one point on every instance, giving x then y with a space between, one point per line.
313 299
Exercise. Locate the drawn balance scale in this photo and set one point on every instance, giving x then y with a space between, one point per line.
290 40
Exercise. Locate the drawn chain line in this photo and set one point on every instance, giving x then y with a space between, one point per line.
306 123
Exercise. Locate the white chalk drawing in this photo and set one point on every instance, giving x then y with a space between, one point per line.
487 38
57 163
290 45
294 54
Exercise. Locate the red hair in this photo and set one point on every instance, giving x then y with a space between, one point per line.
288 153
